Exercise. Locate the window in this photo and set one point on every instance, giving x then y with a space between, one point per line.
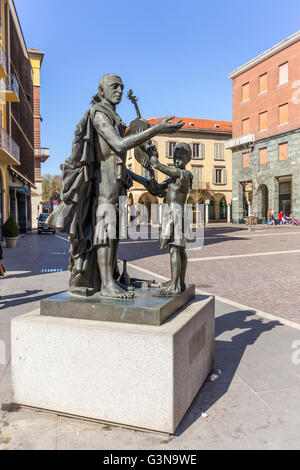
283 151
246 92
144 172
219 176
263 156
170 149
197 174
198 150
263 121
263 83
283 74
219 151
246 126
283 114
246 160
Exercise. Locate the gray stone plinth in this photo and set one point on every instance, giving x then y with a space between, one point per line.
135 375
143 309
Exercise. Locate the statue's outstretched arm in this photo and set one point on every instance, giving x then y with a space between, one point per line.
152 186
104 127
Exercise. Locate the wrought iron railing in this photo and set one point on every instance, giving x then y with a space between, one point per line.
10 84
9 145
42 152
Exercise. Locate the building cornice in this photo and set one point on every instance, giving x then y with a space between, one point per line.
200 131
18 27
35 54
266 55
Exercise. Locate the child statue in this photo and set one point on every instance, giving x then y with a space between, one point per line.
174 229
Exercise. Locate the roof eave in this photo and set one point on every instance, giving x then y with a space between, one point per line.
266 55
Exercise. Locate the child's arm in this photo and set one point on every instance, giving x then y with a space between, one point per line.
172 172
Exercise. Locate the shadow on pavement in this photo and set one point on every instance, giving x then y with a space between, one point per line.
21 299
228 356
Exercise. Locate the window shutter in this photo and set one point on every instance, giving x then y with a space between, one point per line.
216 151
283 73
214 176
191 144
283 113
167 149
224 176
202 150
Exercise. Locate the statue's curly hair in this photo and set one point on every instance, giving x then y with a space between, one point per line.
186 149
97 98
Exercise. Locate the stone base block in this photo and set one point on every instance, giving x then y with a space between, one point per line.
135 375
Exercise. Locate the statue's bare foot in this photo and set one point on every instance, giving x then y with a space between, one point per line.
113 291
170 291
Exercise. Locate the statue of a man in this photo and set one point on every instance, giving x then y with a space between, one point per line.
94 177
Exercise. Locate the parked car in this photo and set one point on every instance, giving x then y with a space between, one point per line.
42 227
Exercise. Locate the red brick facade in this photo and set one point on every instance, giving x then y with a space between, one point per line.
269 101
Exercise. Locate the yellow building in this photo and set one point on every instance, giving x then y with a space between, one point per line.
16 121
211 166
41 154
9 151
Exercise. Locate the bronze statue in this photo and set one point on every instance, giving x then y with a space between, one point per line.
94 177
174 231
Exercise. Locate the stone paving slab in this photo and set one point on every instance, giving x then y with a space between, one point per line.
267 283
254 404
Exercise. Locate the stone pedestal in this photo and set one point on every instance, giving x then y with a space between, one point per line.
135 375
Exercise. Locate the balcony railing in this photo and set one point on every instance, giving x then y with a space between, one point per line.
42 153
9 150
243 140
9 87
3 63
200 185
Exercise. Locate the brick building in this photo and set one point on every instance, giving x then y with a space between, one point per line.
41 154
266 133
210 165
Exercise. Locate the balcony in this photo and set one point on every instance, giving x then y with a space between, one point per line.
244 140
9 89
42 153
200 186
9 150
3 63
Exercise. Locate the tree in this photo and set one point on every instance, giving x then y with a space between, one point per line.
51 188
260 174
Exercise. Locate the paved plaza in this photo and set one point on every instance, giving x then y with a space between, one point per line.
253 403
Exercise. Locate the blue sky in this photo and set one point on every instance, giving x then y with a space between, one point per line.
175 55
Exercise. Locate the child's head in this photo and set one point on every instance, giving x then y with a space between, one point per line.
182 154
